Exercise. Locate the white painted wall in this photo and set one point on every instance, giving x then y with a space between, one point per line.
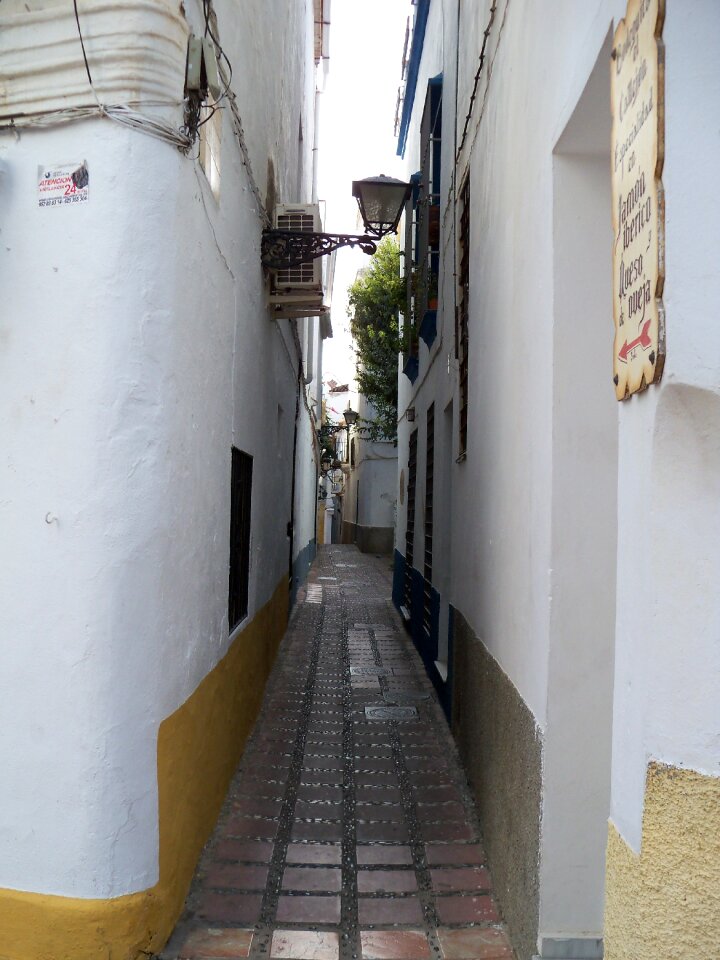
374 476
668 616
584 527
520 578
376 469
136 351
535 489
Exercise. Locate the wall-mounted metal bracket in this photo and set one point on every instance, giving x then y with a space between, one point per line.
282 249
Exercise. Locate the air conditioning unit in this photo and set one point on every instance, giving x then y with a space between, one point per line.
301 218
297 291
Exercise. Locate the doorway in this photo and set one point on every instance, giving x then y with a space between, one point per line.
577 750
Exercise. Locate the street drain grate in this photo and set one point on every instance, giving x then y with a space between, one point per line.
371 671
390 713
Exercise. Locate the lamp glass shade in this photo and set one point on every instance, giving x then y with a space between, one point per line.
350 416
381 201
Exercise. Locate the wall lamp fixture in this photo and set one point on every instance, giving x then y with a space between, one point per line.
350 416
328 463
381 201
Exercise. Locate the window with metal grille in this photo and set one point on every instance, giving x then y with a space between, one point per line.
461 326
240 502
429 468
410 525
422 239
428 207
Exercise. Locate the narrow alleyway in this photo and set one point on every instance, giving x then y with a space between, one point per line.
348 831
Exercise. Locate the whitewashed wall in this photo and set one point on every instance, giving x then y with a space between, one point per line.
373 480
552 480
136 351
377 471
668 660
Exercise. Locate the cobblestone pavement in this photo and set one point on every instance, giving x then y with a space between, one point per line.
348 832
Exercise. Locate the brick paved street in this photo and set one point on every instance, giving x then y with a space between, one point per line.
347 833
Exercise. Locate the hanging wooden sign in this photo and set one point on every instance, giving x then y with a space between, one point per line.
637 153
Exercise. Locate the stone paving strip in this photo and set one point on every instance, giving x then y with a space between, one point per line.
348 832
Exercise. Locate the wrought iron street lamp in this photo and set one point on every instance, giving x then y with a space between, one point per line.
350 416
381 201
327 462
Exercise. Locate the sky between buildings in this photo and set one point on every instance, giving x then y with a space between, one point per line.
356 138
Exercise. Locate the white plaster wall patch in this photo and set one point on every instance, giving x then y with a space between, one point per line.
127 401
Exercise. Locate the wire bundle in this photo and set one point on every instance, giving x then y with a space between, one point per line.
131 115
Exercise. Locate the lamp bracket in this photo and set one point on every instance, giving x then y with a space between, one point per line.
282 249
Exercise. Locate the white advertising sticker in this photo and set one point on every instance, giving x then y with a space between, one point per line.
61 184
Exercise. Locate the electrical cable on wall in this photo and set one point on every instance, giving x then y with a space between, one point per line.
476 81
124 114
452 193
130 115
121 113
192 113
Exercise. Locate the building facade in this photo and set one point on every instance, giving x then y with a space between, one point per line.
556 549
159 441
370 493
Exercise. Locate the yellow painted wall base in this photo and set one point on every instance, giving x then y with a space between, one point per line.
665 903
198 749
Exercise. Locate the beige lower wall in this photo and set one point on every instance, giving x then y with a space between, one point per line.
665 903
501 749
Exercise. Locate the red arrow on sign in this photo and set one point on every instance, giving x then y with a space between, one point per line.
643 341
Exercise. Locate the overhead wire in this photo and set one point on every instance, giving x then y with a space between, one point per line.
122 113
183 138
476 81
452 193
131 114
236 120
82 43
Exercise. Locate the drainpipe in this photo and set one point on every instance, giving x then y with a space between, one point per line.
291 524
319 88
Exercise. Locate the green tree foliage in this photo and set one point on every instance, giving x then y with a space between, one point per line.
376 298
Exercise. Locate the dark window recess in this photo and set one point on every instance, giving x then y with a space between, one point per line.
410 525
422 237
428 214
461 327
429 468
241 497
410 333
